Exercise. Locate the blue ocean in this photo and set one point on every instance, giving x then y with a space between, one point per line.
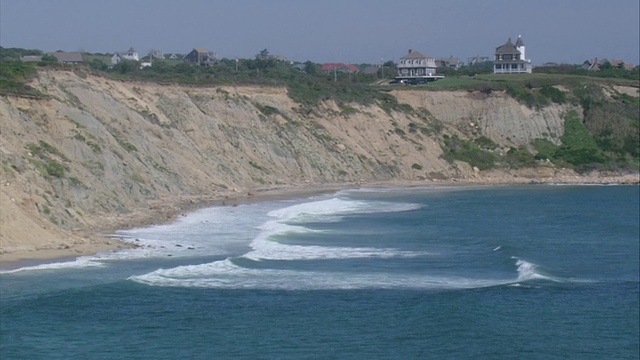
501 272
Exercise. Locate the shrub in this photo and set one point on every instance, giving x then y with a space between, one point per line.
578 148
485 143
556 95
545 149
519 158
457 149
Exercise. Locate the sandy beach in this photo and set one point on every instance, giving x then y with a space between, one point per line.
92 241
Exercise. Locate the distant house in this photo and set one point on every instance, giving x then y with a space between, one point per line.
130 54
173 56
371 69
279 57
594 65
597 64
201 56
300 67
69 57
475 60
156 54
31 58
450 62
621 64
510 58
417 67
340 67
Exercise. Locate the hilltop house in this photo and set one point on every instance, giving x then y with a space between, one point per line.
130 54
69 57
201 56
510 59
417 67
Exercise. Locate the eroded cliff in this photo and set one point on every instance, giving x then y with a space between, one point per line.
96 151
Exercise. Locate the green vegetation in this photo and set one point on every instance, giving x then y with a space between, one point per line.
92 144
253 164
74 181
127 146
267 110
45 158
578 150
458 149
582 151
49 168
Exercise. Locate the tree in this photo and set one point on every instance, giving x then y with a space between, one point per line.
264 60
312 68
606 66
388 70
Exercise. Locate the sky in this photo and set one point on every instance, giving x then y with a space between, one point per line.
348 31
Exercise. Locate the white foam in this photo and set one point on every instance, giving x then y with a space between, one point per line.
227 275
529 271
81 262
265 248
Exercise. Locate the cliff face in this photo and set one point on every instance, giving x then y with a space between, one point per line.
96 148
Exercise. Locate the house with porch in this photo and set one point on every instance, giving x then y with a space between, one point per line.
510 58
416 67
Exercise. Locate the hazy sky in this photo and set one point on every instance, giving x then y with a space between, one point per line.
356 31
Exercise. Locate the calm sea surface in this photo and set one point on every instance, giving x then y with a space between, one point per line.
514 272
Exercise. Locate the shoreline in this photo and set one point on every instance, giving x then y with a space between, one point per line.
167 211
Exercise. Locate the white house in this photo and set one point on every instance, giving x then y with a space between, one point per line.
118 57
510 59
417 67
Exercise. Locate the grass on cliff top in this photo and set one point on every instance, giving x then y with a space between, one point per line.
500 82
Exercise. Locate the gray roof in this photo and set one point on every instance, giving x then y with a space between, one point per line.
519 42
69 57
507 48
414 55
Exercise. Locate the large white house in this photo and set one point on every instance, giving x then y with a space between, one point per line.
417 67
511 59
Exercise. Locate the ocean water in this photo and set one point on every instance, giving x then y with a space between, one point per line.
507 272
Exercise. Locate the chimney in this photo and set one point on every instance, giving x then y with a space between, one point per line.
410 50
